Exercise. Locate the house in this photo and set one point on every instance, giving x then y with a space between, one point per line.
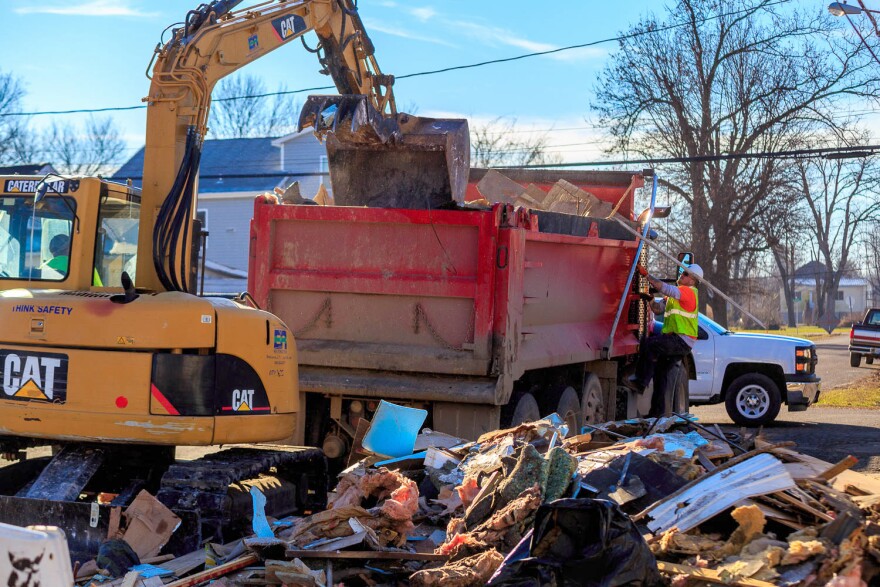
852 298
232 173
28 169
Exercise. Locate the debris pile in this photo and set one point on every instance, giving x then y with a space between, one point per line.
563 196
637 502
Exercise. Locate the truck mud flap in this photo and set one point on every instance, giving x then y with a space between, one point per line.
86 524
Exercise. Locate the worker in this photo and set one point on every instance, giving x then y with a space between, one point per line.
59 247
679 334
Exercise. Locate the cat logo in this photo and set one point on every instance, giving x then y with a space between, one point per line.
34 376
287 26
243 400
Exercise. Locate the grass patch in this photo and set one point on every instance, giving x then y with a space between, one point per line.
811 332
864 393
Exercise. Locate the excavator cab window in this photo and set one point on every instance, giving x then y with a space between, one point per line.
35 240
117 239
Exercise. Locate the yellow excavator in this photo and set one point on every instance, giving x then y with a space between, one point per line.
106 353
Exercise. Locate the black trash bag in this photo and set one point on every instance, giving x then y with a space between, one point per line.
116 557
582 542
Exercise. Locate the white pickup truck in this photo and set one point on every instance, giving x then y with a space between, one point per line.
753 374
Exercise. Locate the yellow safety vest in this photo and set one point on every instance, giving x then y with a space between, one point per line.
677 320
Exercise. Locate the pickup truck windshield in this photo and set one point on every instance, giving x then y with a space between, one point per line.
710 324
873 318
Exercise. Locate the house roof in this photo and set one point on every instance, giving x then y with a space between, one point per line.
222 160
844 281
28 169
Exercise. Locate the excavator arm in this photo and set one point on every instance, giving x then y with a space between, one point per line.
216 41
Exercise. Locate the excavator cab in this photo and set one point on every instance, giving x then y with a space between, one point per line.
382 161
66 233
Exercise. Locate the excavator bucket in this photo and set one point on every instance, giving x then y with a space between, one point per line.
384 161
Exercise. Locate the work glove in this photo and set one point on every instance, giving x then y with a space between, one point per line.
642 271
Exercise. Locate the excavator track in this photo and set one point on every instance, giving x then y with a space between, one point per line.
294 480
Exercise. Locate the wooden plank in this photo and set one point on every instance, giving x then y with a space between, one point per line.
847 481
803 506
216 572
708 575
845 464
365 555
185 563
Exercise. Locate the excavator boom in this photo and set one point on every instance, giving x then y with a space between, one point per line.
377 156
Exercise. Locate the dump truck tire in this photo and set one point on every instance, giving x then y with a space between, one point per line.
753 400
569 409
855 359
525 409
592 402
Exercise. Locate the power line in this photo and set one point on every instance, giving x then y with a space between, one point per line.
840 152
765 4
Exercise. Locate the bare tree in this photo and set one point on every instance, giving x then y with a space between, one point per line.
13 135
841 196
870 239
241 108
497 144
95 148
721 77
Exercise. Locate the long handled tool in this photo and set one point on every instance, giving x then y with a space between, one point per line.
683 266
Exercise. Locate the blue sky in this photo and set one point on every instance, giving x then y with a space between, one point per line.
93 53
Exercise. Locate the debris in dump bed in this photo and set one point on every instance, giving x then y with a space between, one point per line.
563 196
634 502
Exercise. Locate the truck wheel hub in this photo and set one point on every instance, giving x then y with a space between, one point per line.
753 401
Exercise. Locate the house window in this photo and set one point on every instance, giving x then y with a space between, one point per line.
839 296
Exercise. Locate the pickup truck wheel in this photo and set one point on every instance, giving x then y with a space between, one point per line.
869 360
752 400
855 359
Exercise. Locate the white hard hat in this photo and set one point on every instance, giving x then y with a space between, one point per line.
695 270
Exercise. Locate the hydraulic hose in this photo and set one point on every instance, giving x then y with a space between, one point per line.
171 232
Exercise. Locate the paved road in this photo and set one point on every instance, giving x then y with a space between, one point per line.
826 433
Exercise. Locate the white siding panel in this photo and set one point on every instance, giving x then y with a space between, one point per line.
229 225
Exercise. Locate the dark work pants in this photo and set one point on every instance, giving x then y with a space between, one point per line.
660 351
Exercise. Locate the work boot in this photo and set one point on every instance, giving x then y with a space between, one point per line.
634 384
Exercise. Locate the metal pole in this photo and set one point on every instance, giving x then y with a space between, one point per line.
683 266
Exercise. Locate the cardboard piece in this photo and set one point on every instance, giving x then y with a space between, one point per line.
149 525
497 187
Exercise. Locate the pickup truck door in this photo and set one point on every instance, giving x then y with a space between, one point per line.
704 360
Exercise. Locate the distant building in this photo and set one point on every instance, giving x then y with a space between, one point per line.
853 294
232 173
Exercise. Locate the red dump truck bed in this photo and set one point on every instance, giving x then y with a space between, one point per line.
446 308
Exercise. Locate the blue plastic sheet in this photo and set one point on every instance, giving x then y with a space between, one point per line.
394 429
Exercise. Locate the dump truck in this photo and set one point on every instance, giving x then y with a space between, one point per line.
485 316
106 353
